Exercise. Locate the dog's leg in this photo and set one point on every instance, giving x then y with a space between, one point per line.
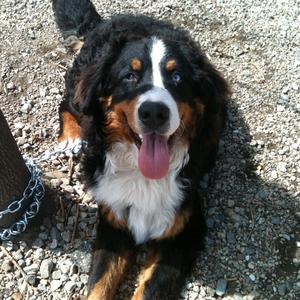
112 256
163 276
70 131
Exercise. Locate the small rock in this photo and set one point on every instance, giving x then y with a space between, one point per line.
237 296
10 86
54 91
281 167
74 269
31 279
276 221
231 238
46 268
56 274
66 235
7 266
280 108
65 266
38 243
55 284
25 108
274 174
53 244
70 286
252 277
32 269
55 234
19 125
230 203
210 223
55 183
221 287
39 254
84 278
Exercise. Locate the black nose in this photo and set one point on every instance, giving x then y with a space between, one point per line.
154 115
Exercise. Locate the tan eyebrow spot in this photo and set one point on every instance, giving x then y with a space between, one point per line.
136 64
171 65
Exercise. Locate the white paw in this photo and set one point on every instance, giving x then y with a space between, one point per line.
70 147
67 148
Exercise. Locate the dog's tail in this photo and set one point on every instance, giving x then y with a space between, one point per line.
75 17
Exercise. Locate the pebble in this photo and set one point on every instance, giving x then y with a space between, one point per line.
55 284
32 269
230 203
46 268
74 269
7 266
284 97
281 167
19 125
55 183
66 236
31 279
54 91
39 253
282 289
210 223
221 287
231 238
56 274
276 220
65 266
252 277
26 108
10 86
70 286
53 244
84 278
55 234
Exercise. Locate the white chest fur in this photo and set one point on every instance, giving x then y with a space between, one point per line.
148 205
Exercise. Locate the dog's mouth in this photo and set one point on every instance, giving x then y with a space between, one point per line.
154 153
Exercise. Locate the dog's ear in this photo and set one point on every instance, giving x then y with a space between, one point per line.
88 89
211 86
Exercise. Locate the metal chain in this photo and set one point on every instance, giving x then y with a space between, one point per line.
34 189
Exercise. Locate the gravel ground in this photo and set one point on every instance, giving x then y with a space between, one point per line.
252 195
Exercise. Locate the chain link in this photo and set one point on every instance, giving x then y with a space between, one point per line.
35 190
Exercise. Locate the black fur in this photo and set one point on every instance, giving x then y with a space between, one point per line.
92 68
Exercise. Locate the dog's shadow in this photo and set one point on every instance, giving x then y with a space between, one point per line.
252 225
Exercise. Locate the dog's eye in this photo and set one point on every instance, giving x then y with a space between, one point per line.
132 77
176 77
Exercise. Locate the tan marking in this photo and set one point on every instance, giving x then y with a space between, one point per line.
145 275
70 127
111 218
106 287
171 65
189 118
136 65
119 118
180 220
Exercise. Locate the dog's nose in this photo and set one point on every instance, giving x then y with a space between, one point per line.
153 115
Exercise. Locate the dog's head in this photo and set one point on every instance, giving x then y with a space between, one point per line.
154 91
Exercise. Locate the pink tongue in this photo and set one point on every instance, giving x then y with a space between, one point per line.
154 157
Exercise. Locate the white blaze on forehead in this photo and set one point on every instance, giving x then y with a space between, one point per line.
158 52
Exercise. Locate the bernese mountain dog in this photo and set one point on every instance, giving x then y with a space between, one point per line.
151 108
